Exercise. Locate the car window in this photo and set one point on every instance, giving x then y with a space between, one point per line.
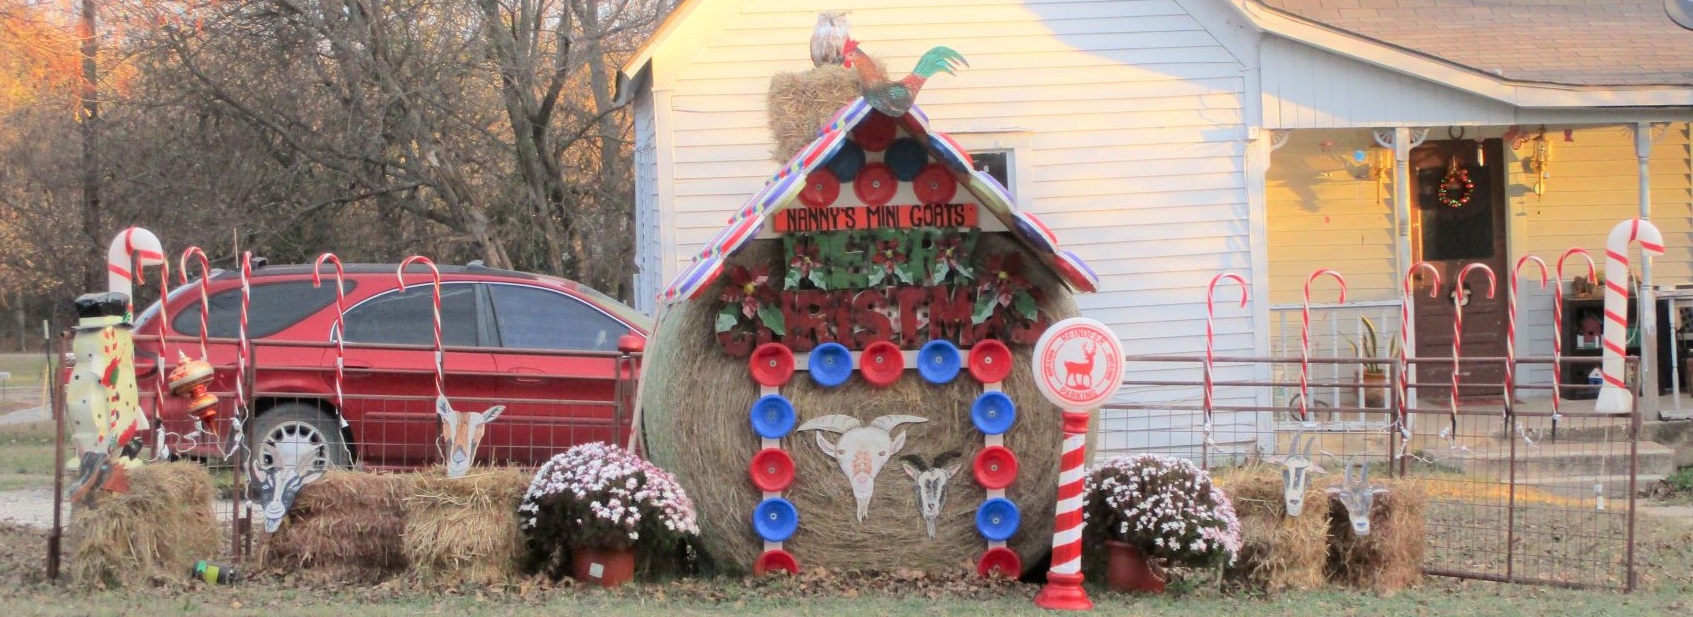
534 318
271 308
623 311
405 317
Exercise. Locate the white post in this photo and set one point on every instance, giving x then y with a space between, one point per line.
1648 305
1402 238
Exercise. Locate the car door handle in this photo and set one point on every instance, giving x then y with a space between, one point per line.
527 375
356 370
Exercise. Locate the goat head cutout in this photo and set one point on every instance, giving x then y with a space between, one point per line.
1357 496
931 483
861 451
1296 469
277 484
461 432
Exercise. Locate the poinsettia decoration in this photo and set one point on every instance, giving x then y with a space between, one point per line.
805 263
888 259
1003 288
750 295
951 260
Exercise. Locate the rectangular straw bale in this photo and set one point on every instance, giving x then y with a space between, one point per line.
1391 557
1278 552
464 530
344 527
152 534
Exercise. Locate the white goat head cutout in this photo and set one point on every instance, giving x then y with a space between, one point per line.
1296 469
461 432
861 450
1357 496
931 484
278 484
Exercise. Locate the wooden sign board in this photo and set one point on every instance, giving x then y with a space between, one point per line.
875 217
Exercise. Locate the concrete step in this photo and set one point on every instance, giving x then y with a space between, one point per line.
1562 459
1614 487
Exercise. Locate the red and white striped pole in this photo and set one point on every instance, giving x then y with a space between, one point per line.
1305 340
1558 325
1408 339
1614 396
1210 312
400 273
1458 301
1511 326
1078 365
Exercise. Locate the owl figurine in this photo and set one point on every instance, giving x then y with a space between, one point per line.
828 38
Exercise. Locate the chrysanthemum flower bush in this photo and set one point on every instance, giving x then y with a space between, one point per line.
601 496
1166 507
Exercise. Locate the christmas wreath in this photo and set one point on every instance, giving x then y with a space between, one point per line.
1456 178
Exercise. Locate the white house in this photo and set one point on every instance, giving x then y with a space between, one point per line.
1168 141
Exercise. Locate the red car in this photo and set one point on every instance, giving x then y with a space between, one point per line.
545 348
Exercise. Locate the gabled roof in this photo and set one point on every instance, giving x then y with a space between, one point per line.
782 192
1584 43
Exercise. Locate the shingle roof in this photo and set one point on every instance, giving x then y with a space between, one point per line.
1567 42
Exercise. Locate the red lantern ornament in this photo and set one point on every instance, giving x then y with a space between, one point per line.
935 185
882 363
821 189
875 184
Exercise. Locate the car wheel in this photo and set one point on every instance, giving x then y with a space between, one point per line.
298 430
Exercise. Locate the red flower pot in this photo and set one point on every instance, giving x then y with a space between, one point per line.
606 567
1127 569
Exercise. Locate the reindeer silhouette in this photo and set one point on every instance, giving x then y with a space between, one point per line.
1080 374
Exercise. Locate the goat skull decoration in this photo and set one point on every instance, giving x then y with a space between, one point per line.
461 432
278 484
861 450
931 484
1356 494
1296 470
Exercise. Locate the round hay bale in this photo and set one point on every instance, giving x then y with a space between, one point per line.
1277 552
153 534
696 426
345 527
1391 557
799 104
464 530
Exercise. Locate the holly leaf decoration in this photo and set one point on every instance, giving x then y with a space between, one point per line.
728 318
877 275
818 279
1024 304
771 316
791 281
984 308
940 272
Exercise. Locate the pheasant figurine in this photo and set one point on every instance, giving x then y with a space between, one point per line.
894 98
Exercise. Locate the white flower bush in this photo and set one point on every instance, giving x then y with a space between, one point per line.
1165 506
603 497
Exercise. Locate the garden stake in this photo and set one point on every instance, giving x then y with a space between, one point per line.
1305 340
1614 396
1458 300
1210 311
1407 338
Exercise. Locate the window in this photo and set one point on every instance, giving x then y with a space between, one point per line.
405 317
534 318
271 308
996 163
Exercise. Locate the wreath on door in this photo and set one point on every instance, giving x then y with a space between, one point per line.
1456 179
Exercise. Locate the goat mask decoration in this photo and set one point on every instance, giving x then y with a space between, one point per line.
1296 469
1357 496
278 484
461 432
931 484
861 450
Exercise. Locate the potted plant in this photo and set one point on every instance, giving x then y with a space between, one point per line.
594 505
1373 374
1156 511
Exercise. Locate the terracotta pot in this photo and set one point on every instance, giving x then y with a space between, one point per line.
607 567
1127 569
1375 396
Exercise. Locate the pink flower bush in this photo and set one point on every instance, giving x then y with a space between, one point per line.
600 496
1165 506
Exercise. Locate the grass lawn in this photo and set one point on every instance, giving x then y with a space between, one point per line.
26 456
25 368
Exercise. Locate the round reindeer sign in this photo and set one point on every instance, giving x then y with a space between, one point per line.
1078 363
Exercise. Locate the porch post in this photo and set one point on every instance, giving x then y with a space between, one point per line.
1648 303
1402 243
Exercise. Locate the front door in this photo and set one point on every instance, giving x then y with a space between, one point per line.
1463 226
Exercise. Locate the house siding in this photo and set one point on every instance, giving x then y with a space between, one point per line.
649 245
1130 122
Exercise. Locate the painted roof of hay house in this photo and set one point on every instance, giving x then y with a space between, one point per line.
782 192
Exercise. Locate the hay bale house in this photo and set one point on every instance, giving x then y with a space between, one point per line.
842 376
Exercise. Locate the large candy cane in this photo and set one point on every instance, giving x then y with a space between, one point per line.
130 251
1305 340
1210 311
1458 301
243 352
159 371
1558 324
1511 324
340 327
1614 396
1407 339
440 378
205 278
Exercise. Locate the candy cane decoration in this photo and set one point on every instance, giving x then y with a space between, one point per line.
1407 338
340 311
243 351
1558 323
1458 300
130 251
205 278
1210 311
161 451
1613 395
1511 324
1305 340
440 379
